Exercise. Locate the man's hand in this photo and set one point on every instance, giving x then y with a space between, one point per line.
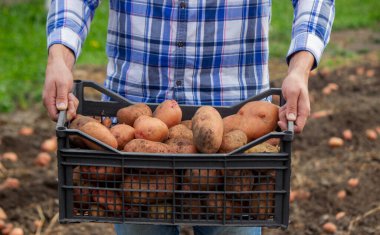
296 93
59 82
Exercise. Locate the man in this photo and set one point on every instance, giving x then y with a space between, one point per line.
210 52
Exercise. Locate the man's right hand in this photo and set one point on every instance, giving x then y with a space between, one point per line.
57 94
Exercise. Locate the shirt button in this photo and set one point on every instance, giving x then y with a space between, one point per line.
182 5
178 83
180 44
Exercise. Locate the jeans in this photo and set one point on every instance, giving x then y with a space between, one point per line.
144 229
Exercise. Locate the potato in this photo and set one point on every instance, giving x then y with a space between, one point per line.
123 134
181 146
233 140
129 114
239 181
187 123
146 146
140 184
99 132
180 131
169 112
150 128
207 129
215 205
108 199
231 123
262 204
82 196
263 148
76 123
100 173
191 207
259 118
161 211
201 179
97 211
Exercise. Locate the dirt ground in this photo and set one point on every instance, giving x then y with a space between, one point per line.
318 170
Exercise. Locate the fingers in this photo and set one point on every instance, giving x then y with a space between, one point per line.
303 113
283 122
62 96
291 104
72 106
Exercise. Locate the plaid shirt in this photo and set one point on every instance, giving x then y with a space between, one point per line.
212 52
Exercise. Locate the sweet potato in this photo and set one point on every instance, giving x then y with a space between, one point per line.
150 128
169 112
181 146
160 188
129 114
146 146
207 129
123 134
161 211
99 132
201 179
180 131
108 199
187 123
233 140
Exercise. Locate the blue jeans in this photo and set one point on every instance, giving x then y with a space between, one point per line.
146 229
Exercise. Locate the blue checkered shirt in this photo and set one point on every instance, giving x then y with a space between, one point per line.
210 52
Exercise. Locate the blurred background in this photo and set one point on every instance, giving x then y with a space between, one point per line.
330 184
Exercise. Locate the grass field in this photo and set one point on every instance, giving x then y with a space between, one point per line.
23 42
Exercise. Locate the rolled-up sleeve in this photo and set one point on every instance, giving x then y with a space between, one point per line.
68 23
313 20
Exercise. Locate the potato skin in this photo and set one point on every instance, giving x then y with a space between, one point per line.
139 185
123 134
188 124
241 180
100 173
233 140
76 123
129 114
150 128
201 179
108 199
146 146
99 132
262 204
215 203
161 211
169 112
207 129
181 145
180 131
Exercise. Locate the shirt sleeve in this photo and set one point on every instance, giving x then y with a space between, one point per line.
68 23
312 25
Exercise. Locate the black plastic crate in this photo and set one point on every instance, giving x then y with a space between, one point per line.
233 189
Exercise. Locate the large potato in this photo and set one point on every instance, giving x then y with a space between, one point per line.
263 148
201 179
123 134
259 118
146 146
233 140
129 114
144 189
207 129
169 112
180 131
181 146
99 132
188 124
76 123
150 128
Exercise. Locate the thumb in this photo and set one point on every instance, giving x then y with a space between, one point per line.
291 108
62 97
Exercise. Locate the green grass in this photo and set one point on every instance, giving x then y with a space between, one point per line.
23 42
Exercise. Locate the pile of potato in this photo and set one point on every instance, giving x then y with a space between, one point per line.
149 192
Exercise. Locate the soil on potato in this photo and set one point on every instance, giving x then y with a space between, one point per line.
317 168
